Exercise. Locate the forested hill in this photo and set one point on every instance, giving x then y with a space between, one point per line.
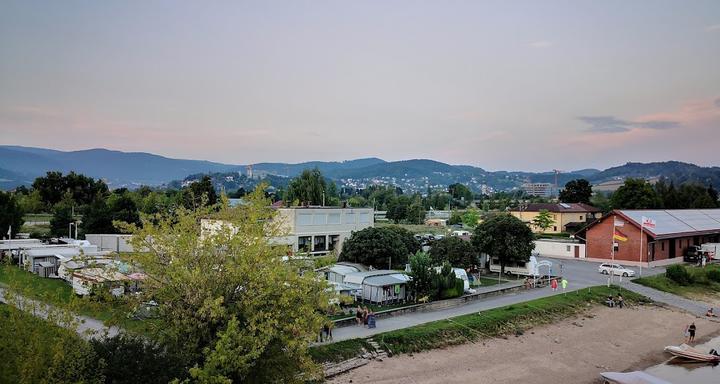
21 165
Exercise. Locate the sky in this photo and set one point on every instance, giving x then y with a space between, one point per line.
503 85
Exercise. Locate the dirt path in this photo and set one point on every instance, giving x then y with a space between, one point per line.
571 351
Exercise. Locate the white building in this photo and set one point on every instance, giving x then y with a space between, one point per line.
110 242
313 230
539 189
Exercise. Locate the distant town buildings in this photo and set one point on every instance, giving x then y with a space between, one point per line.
538 189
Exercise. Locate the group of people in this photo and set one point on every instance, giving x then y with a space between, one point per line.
617 301
363 314
326 332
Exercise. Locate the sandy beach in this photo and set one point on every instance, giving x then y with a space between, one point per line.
573 350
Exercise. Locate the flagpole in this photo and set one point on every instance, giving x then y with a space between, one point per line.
612 251
642 225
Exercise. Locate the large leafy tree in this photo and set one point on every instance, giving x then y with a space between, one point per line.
200 194
422 272
308 188
543 220
62 216
635 194
454 250
576 191
83 190
505 237
461 195
227 302
11 215
377 247
407 237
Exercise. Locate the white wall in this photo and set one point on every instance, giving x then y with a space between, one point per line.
110 242
552 248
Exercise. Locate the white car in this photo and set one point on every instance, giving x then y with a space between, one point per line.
615 269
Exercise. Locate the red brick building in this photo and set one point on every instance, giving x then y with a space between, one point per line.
674 232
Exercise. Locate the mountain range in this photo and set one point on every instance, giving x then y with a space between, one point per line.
21 165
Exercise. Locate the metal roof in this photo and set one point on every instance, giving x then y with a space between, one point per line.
381 281
677 221
358 278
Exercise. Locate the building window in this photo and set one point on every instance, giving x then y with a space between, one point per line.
319 244
662 245
304 243
319 219
555 228
581 217
304 219
333 243
567 248
349 218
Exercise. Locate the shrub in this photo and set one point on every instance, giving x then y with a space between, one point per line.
679 274
714 275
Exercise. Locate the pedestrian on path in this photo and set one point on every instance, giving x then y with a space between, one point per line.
554 285
564 284
359 315
691 329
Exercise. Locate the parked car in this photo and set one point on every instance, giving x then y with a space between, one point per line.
692 253
615 269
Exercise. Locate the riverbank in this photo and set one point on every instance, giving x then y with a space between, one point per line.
573 350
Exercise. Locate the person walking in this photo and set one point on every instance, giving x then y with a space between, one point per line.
359 315
554 284
687 334
691 330
564 284
327 330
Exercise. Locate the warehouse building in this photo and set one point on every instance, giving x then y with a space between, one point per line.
666 243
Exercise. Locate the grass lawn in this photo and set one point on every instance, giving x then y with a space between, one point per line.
513 319
487 281
701 288
337 352
58 293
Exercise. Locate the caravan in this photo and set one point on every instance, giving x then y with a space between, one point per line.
520 268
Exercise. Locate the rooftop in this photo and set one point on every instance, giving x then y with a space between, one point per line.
676 221
559 207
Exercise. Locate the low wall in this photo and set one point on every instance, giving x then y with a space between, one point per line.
437 305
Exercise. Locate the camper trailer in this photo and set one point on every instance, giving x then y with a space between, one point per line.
521 268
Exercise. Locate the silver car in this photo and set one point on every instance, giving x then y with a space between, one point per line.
615 269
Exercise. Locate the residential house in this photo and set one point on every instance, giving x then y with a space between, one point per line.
566 217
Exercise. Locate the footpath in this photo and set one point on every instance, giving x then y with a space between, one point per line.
86 327
417 318
668 298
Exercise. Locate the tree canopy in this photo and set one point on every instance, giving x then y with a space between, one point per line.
504 237
454 250
11 214
543 220
308 188
227 301
576 191
379 247
635 194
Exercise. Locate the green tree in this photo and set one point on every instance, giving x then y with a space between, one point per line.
228 304
31 202
422 274
377 247
407 237
601 201
635 194
543 220
462 196
455 218
97 218
308 188
505 237
11 215
123 208
398 209
454 250
62 216
357 202
576 191
200 194
53 186
446 285
471 218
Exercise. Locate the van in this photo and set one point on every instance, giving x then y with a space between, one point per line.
519 268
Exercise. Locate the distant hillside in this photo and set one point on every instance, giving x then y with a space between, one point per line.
20 166
675 171
117 168
326 167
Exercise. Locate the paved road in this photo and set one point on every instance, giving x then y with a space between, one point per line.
580 274
86 327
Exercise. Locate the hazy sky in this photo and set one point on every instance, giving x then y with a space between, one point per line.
530 85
